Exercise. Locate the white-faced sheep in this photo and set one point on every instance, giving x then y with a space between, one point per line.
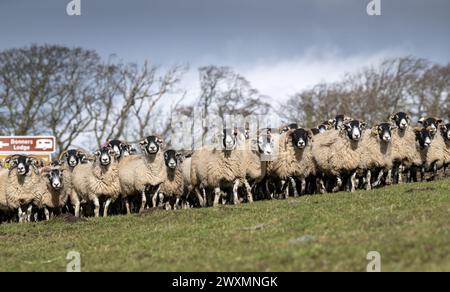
376 153
140 172
337 153
98 179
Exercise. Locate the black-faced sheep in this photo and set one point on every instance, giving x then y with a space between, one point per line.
137 173
98 179
337 153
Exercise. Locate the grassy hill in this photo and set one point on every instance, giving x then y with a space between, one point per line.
409 225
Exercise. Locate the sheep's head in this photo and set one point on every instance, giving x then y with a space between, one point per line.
121 149
21 163
384 131
301 138
354 129
339 121
56 163
229 139
424 137
73 157
445 130
172 158
401 119
105 156
55 177
151 144
431 123
265 142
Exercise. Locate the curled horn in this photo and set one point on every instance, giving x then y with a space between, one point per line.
61 156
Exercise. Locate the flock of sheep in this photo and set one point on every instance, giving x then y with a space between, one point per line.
341 154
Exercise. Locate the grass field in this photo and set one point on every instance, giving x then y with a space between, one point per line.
409 225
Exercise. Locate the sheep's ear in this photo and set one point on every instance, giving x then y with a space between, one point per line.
393 127
159 141
97 153
363 125
393 117
421 121
439 121
310 134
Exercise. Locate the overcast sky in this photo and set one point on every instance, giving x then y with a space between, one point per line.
281 46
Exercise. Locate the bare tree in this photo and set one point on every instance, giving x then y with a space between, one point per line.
44 90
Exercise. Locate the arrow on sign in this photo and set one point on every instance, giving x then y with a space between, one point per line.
3 144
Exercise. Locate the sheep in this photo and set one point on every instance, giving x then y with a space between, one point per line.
445 132
73 157
173 185
336 153
53 190
425 155
258 153
376 153
435 155
404 151
94 180
18 185
216 167
139 172
295 158
432 123
122 149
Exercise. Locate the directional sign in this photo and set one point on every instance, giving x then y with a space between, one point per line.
30 144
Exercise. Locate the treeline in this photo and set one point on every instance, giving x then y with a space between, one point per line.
81 99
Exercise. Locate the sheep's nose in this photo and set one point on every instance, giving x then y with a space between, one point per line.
56 184
387 138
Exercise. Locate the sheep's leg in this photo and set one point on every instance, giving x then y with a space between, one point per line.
368 180
235 192
106 207
47 214
400 171
161 199
96 207
177 202
422 173
435 171
20 214
321 185
379 178
268 192
143 201
248 188
353 182
127 206
338 186
200 198
216 196
76 204
389 177
445 170
303 185
29 209
294 186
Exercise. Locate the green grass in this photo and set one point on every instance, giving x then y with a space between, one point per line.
409 225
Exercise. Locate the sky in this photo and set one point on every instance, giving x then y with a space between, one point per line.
281 46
